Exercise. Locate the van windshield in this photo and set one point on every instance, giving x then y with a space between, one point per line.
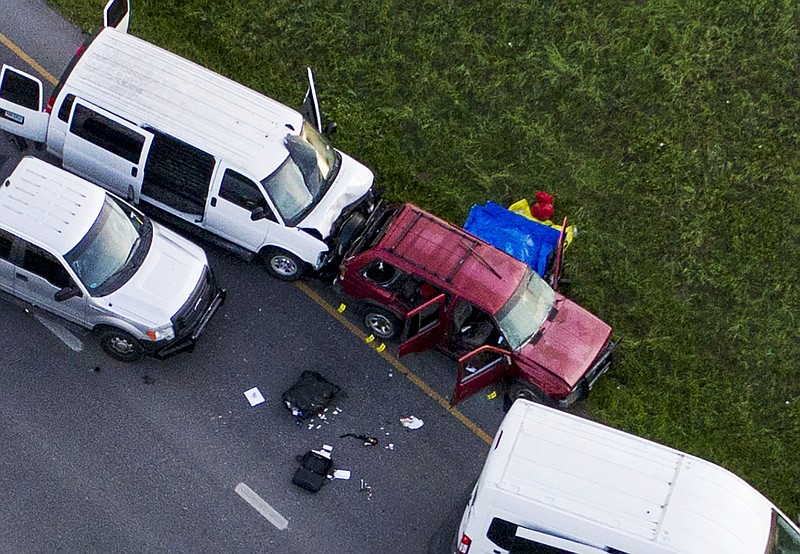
783 537
113 248
305 176
526 310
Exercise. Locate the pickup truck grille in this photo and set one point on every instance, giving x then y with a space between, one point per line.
190 314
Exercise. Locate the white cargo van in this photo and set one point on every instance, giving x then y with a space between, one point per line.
210 153
76 251
555 483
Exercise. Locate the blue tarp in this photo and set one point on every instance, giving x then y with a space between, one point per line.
523 238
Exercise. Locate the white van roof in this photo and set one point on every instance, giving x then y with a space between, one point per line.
148 85
48 206
582 479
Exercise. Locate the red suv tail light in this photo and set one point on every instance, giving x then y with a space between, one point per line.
463 546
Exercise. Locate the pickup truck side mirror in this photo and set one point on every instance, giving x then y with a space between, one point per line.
67 292
258 213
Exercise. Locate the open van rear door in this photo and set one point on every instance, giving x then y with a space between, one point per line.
478 369
21 105
425 326
117 14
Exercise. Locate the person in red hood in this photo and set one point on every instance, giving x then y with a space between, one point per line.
542 209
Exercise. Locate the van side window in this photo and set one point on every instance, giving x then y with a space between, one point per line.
383 274
66 106
243 192
46 266
504 534
6 241
107 134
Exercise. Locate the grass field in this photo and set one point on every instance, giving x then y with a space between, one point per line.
666 130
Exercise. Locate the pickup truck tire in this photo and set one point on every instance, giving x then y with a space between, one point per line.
519 388
381 323
121 345
283 265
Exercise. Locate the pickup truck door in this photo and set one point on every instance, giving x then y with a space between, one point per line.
21 105
238 211
117 14
424 326
478 369
106 149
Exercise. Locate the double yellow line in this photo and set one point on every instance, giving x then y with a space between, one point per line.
308 291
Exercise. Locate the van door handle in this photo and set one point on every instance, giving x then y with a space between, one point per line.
21 277
134 171
213 201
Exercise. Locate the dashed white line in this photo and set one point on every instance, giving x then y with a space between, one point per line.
269 513
61 332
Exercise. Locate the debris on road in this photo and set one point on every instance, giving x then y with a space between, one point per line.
310 395
341 474
254 396
368 441
315 465
411 422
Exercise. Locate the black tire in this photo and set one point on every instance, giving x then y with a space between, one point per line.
283 265
121 345
381 323
519 388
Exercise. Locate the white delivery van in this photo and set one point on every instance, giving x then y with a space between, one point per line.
76 251
555 483
207 152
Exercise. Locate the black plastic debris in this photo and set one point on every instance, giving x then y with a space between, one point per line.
368 441
310 395
312 474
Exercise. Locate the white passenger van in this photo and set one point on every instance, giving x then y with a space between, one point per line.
78 252
210 153
555 483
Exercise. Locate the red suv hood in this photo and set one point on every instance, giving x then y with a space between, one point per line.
569 343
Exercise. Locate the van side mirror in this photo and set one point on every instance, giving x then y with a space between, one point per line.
258 213
66 293
329 129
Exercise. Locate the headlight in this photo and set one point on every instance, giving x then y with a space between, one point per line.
162 333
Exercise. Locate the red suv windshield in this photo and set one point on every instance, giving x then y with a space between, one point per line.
526 310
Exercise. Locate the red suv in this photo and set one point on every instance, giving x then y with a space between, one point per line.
436 285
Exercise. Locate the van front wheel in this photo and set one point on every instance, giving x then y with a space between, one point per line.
283 265
121 345
381 323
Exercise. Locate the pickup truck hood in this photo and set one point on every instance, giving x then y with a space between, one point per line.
168 275
568 343
351 184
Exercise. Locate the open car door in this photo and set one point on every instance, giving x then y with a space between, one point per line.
21 105
478 369
310 108
424 327
117 14
559 253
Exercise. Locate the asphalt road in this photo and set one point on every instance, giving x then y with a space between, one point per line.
101 456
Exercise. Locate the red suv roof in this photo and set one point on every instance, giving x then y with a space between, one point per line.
452 258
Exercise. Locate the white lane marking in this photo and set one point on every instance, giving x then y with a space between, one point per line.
61 332
269 513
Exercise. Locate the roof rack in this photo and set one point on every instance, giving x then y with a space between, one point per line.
470 243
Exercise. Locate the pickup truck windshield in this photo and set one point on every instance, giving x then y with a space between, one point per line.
113 248
526 310
304 177
783 538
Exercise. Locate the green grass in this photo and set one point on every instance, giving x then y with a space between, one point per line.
666 130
